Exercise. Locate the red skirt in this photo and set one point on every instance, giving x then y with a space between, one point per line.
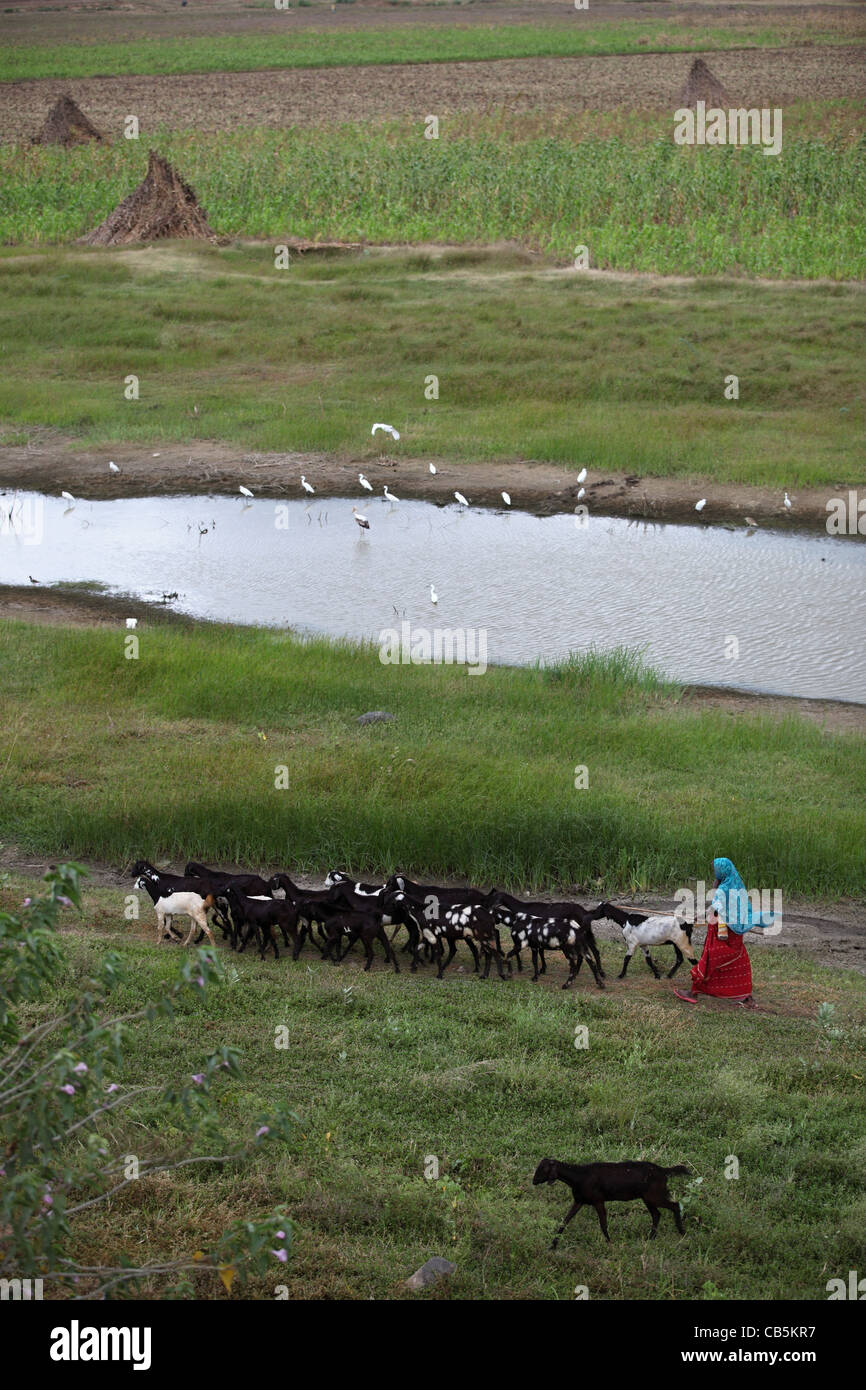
724 969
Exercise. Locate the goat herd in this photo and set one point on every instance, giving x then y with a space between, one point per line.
333 918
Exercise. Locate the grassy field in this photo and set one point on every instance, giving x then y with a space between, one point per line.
456 43
298 359
474 778
652 206
385 1070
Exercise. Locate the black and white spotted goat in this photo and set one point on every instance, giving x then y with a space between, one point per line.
438 922
564 927
644 930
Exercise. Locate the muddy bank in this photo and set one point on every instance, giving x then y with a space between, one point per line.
542 488
832 934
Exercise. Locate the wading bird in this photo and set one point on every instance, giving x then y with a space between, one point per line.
699 506
308 487
113 468
389 496
389 429
581 477
433 468
361 519
506 499
67 497
365 482
244 491
461 499
434 597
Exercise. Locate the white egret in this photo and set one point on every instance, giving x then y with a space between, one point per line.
389 429
506 497
699 506
365 482
244 491
581 493
67 497
788 503
433 469
581 477
308 487
461 499
434 597
389 496
113 468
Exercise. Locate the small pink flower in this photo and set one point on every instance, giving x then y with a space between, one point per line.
70 1090
48 1200
281 1255
81 1068
198 1078
66 902
281 1235
113 1087
200 981
27 902
264 1130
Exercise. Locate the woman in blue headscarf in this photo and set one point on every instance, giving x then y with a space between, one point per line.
724 969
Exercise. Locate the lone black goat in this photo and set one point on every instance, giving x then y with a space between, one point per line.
593 1184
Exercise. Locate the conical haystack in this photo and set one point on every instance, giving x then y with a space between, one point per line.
703 85
66 124
162 206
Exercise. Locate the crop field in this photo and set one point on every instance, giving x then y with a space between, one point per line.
636 206
359 48
296 255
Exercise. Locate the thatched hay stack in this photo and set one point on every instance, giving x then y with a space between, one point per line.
703 85
66 124
161 206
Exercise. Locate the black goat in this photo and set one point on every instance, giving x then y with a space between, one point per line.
593 1184
364 926
257 917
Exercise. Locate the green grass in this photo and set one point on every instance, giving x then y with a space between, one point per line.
625 376
653 206
384 1071
174 755
316 49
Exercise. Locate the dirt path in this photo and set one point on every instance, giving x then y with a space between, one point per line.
833 934
309 96
54 465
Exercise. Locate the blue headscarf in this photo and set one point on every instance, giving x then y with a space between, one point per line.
731 900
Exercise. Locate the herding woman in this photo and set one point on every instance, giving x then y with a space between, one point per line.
724 969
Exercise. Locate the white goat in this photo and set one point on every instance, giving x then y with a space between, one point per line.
642 930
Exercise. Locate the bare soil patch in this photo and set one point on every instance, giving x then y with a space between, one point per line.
54 21
280 98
